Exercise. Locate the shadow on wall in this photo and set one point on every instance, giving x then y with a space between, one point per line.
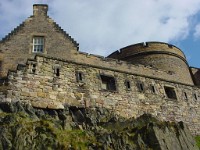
1 69
197 77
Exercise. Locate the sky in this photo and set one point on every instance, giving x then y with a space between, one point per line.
104 26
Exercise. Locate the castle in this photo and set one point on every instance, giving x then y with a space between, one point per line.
41 64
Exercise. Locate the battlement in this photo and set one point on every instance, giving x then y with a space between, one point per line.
47 82
157 55
41 65
146 47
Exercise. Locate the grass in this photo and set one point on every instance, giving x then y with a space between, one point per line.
197 138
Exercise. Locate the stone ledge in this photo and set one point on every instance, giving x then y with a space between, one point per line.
47 104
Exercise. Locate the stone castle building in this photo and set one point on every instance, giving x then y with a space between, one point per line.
41 64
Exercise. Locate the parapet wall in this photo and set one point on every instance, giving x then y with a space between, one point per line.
148 47
159 55
52 83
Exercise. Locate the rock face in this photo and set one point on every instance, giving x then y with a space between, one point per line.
25 127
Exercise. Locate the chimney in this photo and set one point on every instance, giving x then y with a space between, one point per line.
40 9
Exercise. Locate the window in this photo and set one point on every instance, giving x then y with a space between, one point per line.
57 72
170 92
79 76
38 44
140 87
195 96
128 85
108 83
185 95
33 68
153 90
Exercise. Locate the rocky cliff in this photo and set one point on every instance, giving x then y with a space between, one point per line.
25 127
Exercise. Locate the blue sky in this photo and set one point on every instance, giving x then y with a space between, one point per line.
101 27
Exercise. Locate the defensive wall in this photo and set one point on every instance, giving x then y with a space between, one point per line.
51 83
151 77
159 55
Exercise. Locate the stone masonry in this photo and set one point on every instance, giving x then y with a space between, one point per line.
139 79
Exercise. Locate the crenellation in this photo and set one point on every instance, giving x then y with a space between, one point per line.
150 77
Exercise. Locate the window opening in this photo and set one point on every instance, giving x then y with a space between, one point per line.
170 92
33 68
57 72
185 95
79 76
195 96
128 85
108 83
38 44
140 87
153 89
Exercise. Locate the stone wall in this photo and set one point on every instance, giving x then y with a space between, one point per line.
196 75
17 46
52 83
159 55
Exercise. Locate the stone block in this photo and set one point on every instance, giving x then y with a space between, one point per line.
24 89
61 95
41 94
78 96
53 97
33 94
25 94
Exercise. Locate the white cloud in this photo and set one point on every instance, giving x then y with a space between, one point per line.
197 31
107 25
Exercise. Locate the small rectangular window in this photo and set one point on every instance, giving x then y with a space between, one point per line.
185 95
108 83
57 72
38 44
33 68
170 92
128 85
140 87
153 90
79 76
195 96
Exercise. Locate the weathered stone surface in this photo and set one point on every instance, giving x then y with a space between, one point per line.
47 104
25 127
78 80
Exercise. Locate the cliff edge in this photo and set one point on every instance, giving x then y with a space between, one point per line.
25 127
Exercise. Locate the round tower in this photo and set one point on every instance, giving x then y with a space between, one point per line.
158 55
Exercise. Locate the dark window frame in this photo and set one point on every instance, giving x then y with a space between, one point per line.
33 69
109 82
153 89
127 84
170 92
57 72
195 96
140 86
79 76
185 95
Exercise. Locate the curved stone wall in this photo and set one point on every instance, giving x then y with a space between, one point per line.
159 55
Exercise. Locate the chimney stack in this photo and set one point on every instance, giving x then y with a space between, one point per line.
40 9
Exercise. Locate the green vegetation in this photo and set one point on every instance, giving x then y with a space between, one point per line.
24 127
47 130
197 138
